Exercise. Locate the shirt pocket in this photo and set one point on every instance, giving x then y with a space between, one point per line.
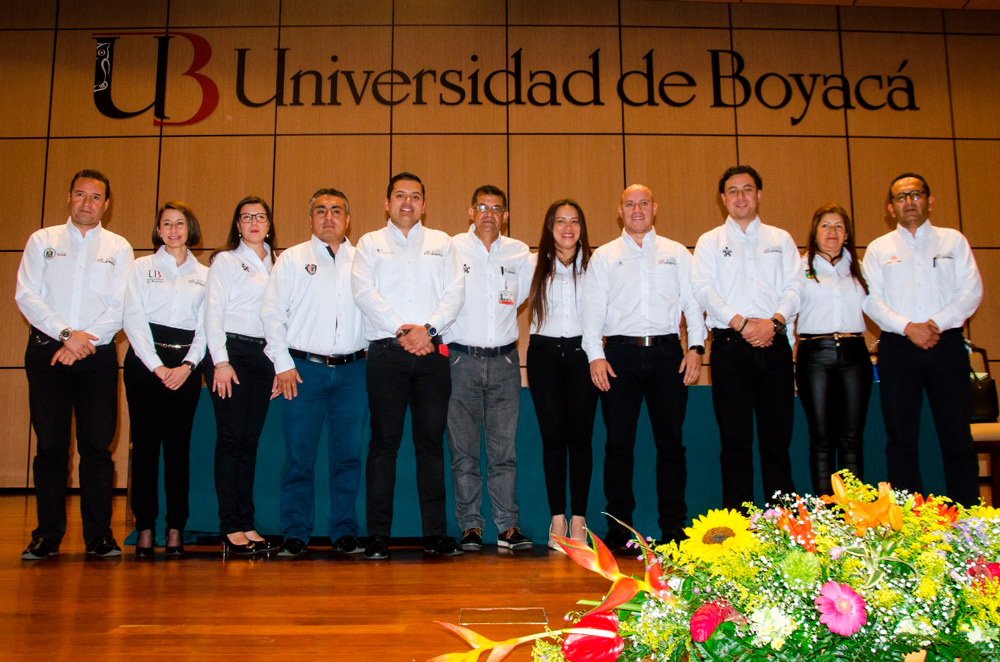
666 279
102 278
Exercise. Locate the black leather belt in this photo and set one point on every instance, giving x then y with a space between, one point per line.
482 352
834 336
37 337
243 338
643 341
559 343
336 359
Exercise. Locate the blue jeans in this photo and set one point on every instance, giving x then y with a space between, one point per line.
485 397
337 395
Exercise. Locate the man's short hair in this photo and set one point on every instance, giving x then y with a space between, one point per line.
740 170
489 189
333 192
404 176
907 175
88 173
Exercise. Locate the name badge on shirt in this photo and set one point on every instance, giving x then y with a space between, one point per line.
507 297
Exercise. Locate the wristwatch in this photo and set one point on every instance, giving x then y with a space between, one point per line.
779 326
190 366
65 334
697 348
431 331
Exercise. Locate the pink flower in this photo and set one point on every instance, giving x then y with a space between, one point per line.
843 610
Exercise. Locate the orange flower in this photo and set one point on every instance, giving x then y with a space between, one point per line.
881 512
800 530
946 515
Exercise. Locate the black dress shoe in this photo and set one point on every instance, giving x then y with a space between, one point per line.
144 552
103 546
175 550
441 545
292 547
377 549
40 548
264 546
617 541
348 545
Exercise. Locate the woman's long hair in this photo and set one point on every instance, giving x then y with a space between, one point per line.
233 240
833 208
546 265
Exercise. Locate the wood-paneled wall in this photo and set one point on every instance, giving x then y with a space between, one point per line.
50 126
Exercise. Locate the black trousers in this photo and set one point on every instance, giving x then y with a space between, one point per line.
159 417
749 382
398 379
650 373
88 389
565 402
239 420
835 383
905 371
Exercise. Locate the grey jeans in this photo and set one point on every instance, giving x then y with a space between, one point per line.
485 398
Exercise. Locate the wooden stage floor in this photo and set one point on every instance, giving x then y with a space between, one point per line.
324 606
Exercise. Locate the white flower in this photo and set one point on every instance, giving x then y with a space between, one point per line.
915 626
977 634
771 626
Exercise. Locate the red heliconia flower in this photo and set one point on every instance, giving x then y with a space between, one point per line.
590 648
706 618
983 572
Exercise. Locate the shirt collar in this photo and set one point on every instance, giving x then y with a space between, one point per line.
79 236
920 234
842 268
648 240
250 253
734 230
321 246
164 259
479 242
415 232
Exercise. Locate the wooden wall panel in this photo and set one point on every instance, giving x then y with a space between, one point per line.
337 12
651 13
27 58
766 52
22 169
784 17
876 162
11 321
973 21
197 13
674 50
213 174
112 14
359 50
451 168
562 52
22 15
130 164
800 174
449 12
440 49
977 161
890 20
982 327
562 12
588 169
682 172
356 165
14 451
974 96
927 67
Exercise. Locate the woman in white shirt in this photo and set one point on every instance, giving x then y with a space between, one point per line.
565 399
241 377
164 322
833 371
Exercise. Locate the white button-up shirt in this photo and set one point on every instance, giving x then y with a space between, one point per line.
563 301
496 283
308 304
68 280
236 282
831 299
930 276
399 279
161 292
753 274
639 291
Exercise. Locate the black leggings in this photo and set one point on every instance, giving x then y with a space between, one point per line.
835 382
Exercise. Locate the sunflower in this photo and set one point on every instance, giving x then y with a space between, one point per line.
715 533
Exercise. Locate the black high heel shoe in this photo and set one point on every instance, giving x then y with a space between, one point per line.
175 550
144 552
229 548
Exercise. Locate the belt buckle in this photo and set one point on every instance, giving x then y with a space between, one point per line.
645 341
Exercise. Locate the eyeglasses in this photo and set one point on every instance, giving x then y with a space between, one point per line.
247 219
482 208
915 196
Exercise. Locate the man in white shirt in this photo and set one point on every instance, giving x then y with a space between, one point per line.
315 339
409 284
485 371
71 289
635 291
923 284
745 277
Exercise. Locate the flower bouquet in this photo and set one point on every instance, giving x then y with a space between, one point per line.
864 574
